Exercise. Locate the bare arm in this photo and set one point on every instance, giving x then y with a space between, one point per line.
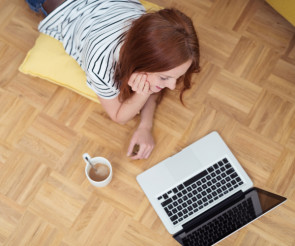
143 134
123 112
147 113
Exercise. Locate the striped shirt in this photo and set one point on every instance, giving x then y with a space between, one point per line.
92 33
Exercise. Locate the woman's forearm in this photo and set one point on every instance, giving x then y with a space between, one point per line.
147 112
131 107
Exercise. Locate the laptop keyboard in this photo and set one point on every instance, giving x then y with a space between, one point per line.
199 191
223 225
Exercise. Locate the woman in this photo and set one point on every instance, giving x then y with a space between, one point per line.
130 57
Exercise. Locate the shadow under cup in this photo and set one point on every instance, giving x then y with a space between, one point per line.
100 161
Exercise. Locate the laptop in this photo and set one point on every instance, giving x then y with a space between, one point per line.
202 194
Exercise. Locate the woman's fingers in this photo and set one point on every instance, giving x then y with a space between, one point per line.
144 152
141 83
138 83
146 88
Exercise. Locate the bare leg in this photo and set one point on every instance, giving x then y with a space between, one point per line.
50 5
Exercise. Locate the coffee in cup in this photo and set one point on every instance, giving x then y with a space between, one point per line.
98 170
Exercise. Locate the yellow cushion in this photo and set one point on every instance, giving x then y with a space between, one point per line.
285 7
48 60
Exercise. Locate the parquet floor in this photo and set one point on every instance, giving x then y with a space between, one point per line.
246 91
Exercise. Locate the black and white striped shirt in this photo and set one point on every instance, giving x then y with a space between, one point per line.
92 33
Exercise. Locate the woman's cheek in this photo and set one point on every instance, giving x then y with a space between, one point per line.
151 79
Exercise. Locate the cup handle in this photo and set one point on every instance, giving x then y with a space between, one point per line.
86 158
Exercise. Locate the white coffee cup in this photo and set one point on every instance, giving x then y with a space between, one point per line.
93 161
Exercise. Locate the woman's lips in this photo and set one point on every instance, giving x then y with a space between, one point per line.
159 88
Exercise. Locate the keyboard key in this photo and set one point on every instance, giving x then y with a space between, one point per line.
165 203
228 172
196 178
180 187
174 217
210 169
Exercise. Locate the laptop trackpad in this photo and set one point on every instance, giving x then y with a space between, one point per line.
184 165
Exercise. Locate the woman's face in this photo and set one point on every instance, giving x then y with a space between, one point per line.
167 79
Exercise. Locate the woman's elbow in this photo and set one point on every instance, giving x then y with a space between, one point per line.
118 120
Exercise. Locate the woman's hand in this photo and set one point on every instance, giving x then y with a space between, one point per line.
144 138
138 82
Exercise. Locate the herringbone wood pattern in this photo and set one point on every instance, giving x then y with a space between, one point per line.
246 91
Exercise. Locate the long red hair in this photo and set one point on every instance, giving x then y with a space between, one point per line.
158 42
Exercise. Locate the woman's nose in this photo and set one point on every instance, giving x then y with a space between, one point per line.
171 85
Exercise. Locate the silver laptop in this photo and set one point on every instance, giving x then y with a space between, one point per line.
199 187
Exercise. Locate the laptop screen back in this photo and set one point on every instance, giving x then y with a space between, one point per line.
219 223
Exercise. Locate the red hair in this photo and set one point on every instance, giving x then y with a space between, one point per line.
158 42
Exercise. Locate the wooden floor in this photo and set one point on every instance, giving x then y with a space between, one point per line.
246 91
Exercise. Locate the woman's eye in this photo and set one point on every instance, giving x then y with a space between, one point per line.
162 78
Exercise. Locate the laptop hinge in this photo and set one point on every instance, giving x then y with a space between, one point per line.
212 211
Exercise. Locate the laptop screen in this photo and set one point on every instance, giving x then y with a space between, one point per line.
222 221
